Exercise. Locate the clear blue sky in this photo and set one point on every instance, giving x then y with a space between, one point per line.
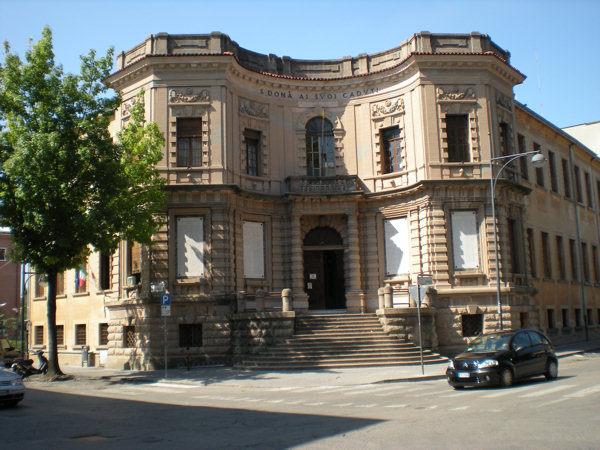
556 44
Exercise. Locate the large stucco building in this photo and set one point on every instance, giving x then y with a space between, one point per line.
335 184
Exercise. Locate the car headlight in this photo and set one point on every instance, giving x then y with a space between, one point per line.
450 364
16 382
487 363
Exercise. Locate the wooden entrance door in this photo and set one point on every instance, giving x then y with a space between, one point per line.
324 279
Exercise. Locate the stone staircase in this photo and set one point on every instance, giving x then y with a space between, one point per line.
338 340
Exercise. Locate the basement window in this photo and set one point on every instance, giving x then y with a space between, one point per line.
190 335
472 324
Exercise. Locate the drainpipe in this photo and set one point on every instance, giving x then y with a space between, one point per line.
581 285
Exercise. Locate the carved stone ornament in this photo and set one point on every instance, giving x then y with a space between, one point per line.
254 109
126 106
455 93
388 107
503 100
189 95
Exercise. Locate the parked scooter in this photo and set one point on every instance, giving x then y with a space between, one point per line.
24 367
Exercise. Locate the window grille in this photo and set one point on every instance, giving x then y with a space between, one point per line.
129 336
472 324
60 335
80 334
457 135
103 331
190 335
39 335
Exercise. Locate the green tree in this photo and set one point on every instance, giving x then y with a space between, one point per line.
65 184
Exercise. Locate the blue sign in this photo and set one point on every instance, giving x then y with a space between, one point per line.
165 300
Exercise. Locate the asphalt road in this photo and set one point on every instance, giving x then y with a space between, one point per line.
428 414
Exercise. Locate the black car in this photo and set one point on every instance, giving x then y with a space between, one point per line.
499 358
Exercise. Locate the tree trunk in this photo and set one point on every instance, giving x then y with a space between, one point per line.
53 367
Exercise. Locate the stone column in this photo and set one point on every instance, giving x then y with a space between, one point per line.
353 290
300 298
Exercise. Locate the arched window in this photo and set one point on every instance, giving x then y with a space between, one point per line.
319 148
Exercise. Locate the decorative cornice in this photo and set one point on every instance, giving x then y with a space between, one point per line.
504 100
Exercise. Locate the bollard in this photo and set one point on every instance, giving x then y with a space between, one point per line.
286 300
387 297
260 299
380 297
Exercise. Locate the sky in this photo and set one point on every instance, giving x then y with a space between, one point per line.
555 43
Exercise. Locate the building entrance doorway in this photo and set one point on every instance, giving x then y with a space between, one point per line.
324 269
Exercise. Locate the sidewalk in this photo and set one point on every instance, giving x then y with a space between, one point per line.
269 379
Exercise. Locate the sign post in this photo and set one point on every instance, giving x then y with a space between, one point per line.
165 311
417 292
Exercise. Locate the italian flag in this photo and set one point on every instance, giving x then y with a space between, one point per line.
80 277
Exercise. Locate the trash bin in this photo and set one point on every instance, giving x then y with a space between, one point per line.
84 355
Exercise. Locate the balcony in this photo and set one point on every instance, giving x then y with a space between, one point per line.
342 184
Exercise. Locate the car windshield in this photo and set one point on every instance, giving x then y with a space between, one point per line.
489 343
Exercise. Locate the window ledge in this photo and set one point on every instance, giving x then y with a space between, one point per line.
191 281
81 294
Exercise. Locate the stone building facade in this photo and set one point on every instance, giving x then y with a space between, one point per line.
298 186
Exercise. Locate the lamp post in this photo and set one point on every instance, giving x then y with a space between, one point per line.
538 160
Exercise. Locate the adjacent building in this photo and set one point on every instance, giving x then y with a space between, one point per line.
298 186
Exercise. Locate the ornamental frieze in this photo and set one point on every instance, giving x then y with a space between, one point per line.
455 93
388 107
189 95
504 100
126 106
254 109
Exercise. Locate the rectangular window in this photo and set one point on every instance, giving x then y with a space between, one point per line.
103 334
539 171
551 319
595 264
190 335
589 318
2 254
523 161
560 258
546 255
578 191
553 176
189 142
80 280
40 285
515 257
586 265
396 246
472 324
38 335
465 240
80 334
457 135
573 258
190 247
588 189
565 318
129 336
523 319
531 248
104 266
578 318
252 141
60 335
566 178
60 284
391 150
254 249
505 139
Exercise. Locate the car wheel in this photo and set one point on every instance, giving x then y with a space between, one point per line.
551 370
12 403
506 377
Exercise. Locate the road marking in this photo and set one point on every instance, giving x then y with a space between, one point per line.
370 405
584 392
342 405
553 402
551 390
275 401
460 408
402 405
314 404
174 385
507 391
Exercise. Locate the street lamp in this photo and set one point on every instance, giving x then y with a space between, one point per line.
538 160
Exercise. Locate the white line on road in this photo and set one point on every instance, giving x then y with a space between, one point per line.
550 390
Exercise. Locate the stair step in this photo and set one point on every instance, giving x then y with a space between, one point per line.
338 340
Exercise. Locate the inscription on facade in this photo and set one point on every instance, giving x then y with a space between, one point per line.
317 96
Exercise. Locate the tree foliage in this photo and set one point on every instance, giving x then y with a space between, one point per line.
65 183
